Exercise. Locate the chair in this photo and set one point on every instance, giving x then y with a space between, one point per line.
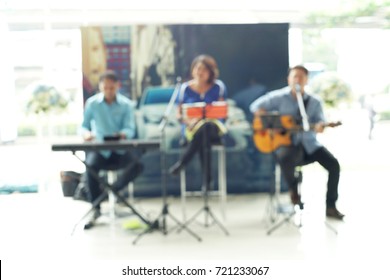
222 185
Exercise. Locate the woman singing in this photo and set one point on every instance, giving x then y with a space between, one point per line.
200 133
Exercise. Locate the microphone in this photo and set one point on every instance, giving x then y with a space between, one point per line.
297 88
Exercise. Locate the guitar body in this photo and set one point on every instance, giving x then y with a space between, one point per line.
268 140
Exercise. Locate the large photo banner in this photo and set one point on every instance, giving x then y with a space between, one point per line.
105 48
151 59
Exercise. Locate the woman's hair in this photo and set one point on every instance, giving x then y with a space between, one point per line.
210 64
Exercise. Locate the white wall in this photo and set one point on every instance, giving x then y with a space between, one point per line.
364 58
8 121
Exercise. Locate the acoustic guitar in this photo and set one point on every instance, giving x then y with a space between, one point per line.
268 139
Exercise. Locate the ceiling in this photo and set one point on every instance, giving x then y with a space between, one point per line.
40 14
52 14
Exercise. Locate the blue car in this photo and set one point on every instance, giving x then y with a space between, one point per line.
151 109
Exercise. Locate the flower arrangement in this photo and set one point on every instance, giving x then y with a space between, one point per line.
331 88
45 99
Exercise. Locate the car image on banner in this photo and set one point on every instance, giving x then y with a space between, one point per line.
151 109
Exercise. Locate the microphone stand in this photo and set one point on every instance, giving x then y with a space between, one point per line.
206 184
165 212
301 106
306 127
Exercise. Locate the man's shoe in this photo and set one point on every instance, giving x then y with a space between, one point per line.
92 221
175 169
334 213
295 197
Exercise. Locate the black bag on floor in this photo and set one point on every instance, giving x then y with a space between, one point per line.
69 182
82 191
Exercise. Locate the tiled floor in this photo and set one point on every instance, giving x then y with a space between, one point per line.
40 225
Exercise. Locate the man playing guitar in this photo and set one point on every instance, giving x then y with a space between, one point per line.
301 147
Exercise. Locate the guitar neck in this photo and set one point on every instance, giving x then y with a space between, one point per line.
312 126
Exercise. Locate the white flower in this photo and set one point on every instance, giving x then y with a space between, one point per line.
45 98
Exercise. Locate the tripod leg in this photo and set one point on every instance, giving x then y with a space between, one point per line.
329 226
95 203
153 226
191 219
277 225
182 226
124 201
217 221
82 218
207 213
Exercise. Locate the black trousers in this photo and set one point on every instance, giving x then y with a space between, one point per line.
291 156
125 163
201 143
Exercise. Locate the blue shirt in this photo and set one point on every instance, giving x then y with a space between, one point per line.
217 92
104 119
282 101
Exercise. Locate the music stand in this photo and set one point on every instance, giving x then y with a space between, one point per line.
203 111
165 211
271 121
